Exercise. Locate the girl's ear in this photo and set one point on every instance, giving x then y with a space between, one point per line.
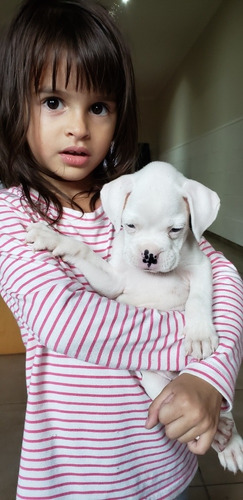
113 198
204 206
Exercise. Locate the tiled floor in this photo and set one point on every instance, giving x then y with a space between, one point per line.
211 481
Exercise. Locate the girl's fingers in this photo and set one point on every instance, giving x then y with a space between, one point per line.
155 408
188 407
202 444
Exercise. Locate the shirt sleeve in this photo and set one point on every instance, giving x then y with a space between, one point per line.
59 310
221 368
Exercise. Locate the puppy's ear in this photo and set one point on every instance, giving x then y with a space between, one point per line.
204 206
113 198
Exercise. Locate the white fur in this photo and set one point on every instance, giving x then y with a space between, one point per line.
156 260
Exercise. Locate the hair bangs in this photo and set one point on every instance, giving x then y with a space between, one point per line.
89 53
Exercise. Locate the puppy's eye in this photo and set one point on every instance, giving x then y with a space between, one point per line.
175 231
130 228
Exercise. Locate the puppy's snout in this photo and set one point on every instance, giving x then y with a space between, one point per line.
149 258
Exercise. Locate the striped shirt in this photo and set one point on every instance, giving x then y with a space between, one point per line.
84 435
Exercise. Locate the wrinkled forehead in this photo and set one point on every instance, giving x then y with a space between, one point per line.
154 202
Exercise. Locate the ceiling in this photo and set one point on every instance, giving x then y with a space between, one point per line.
159 32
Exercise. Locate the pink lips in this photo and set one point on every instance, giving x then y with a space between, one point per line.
74 156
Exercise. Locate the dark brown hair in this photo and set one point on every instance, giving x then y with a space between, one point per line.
94 47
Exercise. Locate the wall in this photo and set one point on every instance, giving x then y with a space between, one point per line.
10 339
201 116
149 125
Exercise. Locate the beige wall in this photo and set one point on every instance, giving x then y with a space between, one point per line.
10 339
200 116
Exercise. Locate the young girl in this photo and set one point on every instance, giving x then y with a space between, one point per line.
68 125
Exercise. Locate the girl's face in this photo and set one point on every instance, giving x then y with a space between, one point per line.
70 130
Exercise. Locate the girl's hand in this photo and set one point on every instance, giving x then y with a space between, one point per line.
189 409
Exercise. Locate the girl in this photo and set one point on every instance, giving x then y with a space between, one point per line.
68 125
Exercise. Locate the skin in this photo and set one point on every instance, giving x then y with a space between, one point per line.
61 122
67 119
188 407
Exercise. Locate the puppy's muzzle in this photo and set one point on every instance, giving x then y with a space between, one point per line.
149 258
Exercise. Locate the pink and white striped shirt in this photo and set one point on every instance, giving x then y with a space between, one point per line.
84 435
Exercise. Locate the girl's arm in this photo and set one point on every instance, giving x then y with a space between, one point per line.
221 368
189 406
52 305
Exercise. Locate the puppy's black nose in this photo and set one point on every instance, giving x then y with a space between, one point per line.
149 258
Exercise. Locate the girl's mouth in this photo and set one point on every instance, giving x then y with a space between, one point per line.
75 153
75 157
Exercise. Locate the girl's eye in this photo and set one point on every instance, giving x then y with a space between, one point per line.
99 108
53 103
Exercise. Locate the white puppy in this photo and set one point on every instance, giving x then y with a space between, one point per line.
156 262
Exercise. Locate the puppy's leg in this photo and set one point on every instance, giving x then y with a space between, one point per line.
224 433
154 382
99 273
200 336
227 437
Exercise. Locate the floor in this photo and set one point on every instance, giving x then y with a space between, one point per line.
211 481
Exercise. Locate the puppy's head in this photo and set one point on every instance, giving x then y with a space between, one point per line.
153 207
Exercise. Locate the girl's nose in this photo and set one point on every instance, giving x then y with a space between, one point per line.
78 125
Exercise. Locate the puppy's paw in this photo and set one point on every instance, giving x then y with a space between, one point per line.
231 457
223 434
41 236
70 250
201 340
